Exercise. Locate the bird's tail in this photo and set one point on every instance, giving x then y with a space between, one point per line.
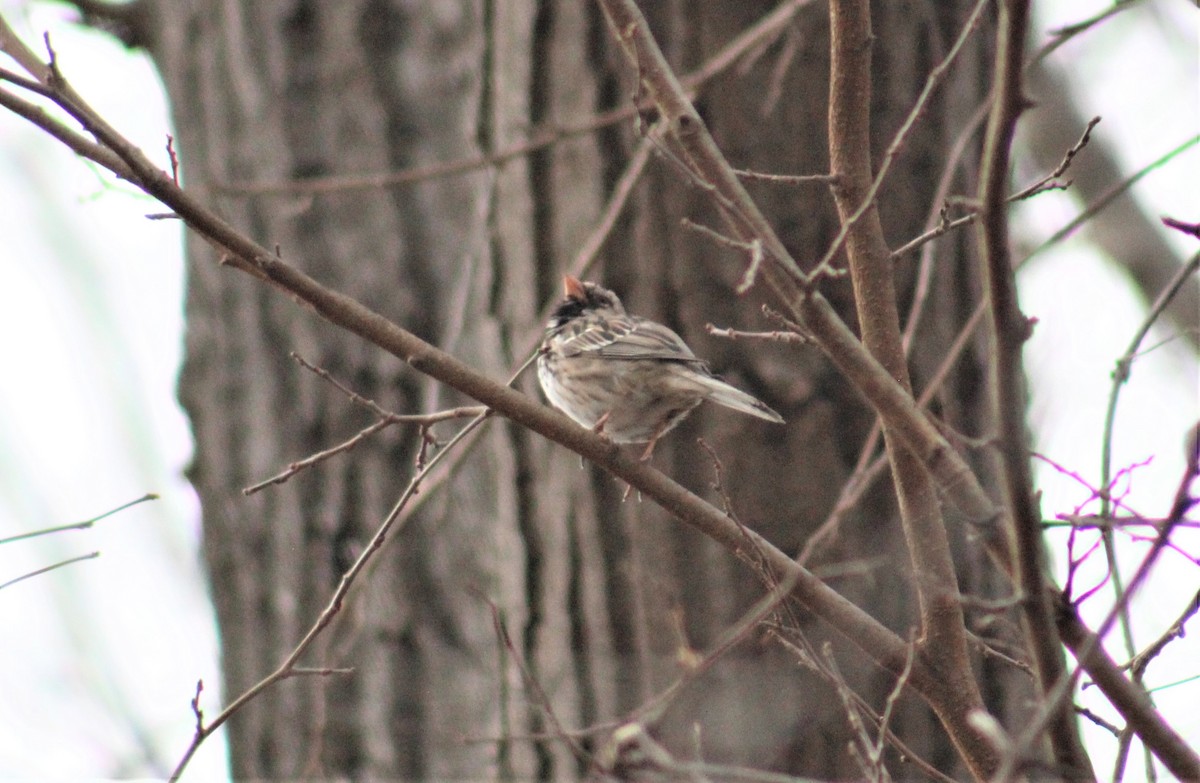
724 394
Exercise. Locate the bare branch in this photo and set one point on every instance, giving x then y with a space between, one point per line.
786 179
324 671
386 419
1010 330
1130 699
753 248
1048 182
946 224
776 337
1137 666
931 83
289 665
74 141
532 685
84 525
48 568
873 277
1065 33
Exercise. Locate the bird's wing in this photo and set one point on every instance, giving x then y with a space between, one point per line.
628 337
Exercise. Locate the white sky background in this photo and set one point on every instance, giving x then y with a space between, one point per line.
98 660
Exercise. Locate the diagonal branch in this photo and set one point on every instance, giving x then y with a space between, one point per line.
74 141
1127 696
333 607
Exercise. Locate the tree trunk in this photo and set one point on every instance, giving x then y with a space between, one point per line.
600 596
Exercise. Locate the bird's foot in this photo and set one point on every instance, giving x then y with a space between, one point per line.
598 427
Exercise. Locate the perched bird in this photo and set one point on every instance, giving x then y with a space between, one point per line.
628 378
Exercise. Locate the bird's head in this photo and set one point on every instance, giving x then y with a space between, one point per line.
583 298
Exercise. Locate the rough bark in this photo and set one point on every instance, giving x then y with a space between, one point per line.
599 594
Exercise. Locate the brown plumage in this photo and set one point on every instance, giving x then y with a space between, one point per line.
628 377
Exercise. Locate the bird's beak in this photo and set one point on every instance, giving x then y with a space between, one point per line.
573 288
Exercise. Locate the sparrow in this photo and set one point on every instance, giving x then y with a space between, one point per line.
628 378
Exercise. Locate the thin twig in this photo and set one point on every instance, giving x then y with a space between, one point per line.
786 179
1120 376
716 236
1096 522
1137 666
944 227
753 248
84 525
313 459
332 607
1129 698
988 648
775 337
1191 229
40 571
947 224
323 671
884 167
1048 182
1065 33
535 689
386 419
718 483
1113 193
1084 712
890 705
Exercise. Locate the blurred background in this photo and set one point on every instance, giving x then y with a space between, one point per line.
101 658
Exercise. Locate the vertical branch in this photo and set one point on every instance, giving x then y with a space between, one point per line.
943 634
1010 330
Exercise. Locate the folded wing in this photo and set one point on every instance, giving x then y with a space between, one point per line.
628 337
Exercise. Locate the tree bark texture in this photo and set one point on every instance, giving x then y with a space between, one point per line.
600 596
